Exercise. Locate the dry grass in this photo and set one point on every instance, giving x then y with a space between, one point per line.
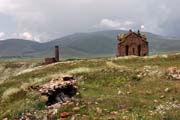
10 92
110 84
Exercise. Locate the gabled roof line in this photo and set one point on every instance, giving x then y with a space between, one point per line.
130 33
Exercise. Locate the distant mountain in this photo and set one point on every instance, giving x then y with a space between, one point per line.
18 47
94 44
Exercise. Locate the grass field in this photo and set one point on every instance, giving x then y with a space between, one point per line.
129 88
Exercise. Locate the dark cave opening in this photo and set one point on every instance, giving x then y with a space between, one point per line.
61 95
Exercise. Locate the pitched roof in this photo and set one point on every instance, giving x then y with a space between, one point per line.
122 37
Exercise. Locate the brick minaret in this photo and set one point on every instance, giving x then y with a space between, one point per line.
57 53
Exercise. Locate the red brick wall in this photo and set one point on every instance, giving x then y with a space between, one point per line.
133 42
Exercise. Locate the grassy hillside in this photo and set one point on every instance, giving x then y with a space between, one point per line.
109 88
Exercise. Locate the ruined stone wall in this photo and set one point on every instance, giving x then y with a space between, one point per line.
133 45
49 60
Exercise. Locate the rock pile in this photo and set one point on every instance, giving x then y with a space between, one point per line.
173 73
163 108
150 71
59 90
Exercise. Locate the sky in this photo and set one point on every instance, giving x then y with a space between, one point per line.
45 20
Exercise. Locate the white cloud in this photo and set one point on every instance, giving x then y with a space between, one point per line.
26 35
128 23
110 23
2 34
116 24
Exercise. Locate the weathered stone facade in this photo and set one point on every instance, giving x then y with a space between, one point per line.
132 44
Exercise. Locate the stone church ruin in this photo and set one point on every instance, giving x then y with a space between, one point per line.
132 43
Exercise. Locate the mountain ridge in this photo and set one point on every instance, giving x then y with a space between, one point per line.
92 44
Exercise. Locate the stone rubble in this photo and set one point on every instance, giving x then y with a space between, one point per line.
163 108
58 83
173 73
150 71
59 91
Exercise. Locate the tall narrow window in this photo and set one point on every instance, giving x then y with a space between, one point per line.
139 50
127 50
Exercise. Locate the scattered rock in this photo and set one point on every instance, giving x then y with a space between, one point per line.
73 118
173 73
71 103
120 92
128 92
106 110
55 106
5 119
64 114
99 100
55 111
167 90
83 89
111 119
148 92
156 101
77 93
126 110
96 103
150 71
139 76
76 109
114 113
162 96
89 103
84 117
125 117
163 108
98 110
28 114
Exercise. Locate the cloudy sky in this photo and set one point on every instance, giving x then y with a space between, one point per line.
44 20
